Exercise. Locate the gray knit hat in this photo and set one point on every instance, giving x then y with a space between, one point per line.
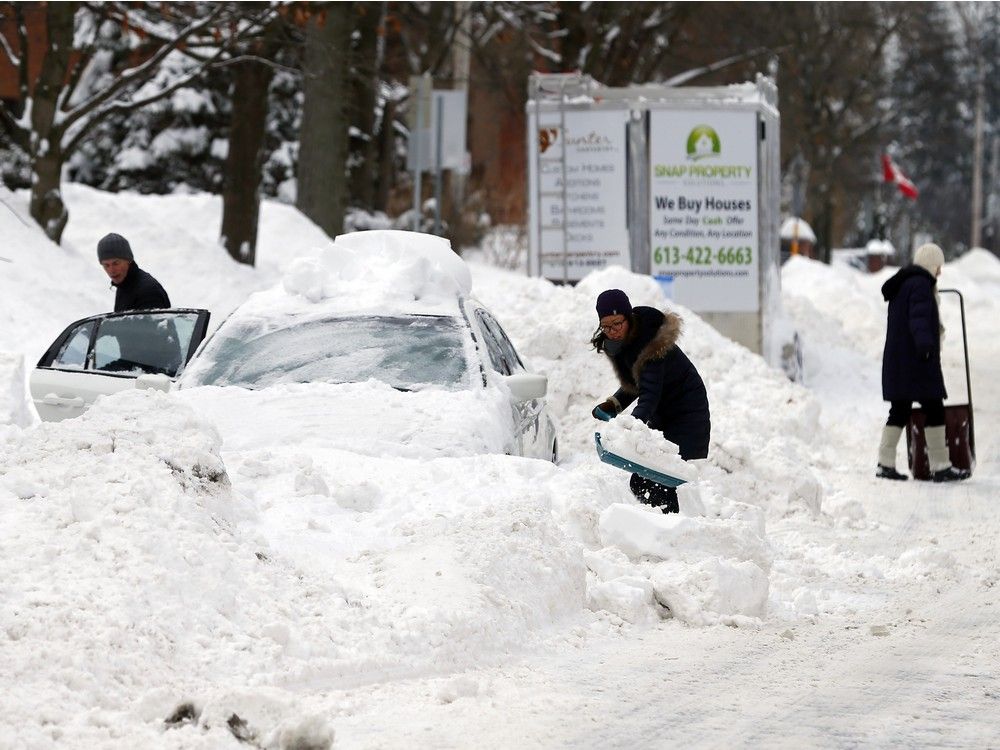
113 246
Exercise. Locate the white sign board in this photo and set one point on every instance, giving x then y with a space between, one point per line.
704 208
596 221
422 152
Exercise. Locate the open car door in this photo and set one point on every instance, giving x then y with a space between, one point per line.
108 353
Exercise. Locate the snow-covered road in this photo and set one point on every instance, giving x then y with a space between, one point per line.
920 670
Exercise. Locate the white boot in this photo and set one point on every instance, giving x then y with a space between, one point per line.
940 458
887 454
937 449
887 446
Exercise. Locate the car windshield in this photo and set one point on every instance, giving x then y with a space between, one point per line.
405 352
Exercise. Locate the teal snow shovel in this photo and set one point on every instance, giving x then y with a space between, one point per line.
643 471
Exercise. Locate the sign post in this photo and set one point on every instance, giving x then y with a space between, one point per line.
437 140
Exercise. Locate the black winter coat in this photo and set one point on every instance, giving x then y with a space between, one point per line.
140 291
653 370
911 362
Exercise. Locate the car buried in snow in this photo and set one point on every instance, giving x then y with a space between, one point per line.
395 362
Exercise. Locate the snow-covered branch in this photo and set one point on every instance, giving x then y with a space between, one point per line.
8 51
137 74
690 75
78 130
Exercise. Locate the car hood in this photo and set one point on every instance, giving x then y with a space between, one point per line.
370 418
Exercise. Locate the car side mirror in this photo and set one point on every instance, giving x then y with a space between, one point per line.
153 382
525 386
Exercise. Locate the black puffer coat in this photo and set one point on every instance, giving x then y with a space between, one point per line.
653 370
911 362
140 291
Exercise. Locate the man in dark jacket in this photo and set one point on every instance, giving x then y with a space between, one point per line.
911 364
652 371
136 289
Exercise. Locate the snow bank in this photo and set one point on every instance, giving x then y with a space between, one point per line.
45 287
371 418
15 405
765 429
131 559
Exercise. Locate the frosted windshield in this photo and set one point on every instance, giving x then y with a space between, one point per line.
404 352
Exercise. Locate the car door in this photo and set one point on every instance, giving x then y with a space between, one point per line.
104 354
532 437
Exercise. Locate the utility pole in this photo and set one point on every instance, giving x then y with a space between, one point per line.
993 199
971 15
460 62
976 238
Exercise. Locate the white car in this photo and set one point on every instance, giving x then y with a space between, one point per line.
104 354
443 377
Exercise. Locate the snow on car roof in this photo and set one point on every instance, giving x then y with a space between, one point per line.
378 271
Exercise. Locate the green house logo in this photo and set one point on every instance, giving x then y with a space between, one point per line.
703 142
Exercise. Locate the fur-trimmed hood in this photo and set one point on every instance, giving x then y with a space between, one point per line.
653 334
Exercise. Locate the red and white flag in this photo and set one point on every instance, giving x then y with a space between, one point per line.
892 173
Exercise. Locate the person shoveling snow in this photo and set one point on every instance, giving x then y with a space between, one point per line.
652 370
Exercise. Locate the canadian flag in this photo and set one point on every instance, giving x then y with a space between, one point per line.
892 173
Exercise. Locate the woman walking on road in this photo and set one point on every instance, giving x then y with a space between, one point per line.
911 364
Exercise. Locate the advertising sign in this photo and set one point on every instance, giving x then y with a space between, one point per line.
595 193
704 208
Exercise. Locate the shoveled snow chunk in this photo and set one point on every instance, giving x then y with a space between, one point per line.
629 597
631 439
640 532
712 591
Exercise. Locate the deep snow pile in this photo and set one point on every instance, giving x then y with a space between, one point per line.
764 427
174 237
140 583
45 287
14 406
208 549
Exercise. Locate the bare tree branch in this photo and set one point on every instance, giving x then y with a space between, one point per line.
138 73
11 127
9 52
255 58
22 42
129 106
690 75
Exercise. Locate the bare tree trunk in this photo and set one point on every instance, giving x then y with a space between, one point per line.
241 191
47 207
365 87
387 155
323 137
976 231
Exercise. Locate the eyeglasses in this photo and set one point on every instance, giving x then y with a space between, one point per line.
614 327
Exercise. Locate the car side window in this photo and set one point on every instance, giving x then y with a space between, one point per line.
136 344
493 347
508 347
73 354
507 351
